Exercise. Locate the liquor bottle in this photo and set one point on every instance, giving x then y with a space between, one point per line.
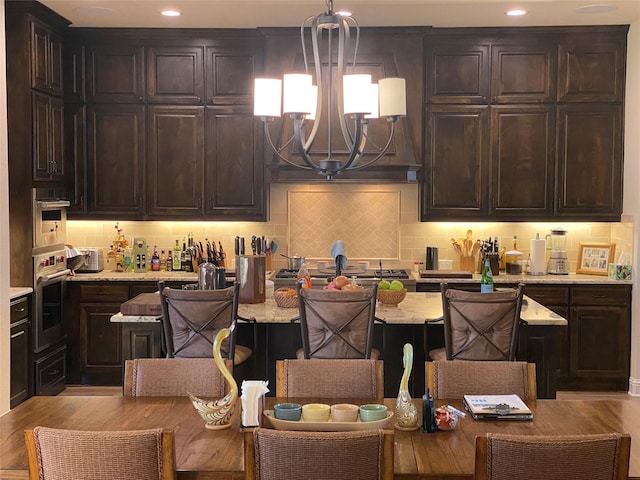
177 265
155 260
128 259
169 261
486 282
185 258
303 277
149 259
163 261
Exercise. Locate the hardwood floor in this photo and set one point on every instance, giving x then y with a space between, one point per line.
565 395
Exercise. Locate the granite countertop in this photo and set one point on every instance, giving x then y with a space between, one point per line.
571 278
16 292
416 308
113 276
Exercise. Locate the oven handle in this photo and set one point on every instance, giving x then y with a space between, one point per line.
47 278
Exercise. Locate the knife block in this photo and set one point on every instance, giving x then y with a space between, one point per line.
250 275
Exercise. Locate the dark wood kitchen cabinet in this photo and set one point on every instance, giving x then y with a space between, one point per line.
21 384
48 137
235 187
175 160
553 152
230 72
115 71
46 59
175 75
115 160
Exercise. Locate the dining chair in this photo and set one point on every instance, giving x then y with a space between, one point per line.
330 378
58 454
192 318
454 379
170 377
479 326
336 323
534 457
303 455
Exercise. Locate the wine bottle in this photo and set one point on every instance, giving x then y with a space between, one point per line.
177 265
486 281
169 261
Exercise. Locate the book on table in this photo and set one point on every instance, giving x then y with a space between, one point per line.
497 407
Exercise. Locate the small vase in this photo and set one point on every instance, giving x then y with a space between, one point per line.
406 412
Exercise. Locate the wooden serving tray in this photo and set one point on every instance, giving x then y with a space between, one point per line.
445 274
329 426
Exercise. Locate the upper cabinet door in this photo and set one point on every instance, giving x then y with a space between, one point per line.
590 161
457 72
523 73
592 68
46 59
175 160
115 73
175 75
230 75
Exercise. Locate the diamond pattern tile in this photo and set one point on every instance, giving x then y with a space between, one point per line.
369 227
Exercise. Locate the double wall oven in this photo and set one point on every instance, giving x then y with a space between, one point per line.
49 284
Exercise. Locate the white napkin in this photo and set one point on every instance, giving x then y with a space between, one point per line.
252 393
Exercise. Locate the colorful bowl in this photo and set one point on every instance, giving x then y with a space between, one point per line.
344 412
372 412
287 411
316 412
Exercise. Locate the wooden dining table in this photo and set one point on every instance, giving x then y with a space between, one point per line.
218 454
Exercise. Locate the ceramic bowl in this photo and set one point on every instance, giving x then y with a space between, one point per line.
344 412
316 412
287 411
372 412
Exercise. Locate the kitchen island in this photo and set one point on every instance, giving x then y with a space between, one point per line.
417 320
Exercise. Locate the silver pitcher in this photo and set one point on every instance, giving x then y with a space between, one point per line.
211 277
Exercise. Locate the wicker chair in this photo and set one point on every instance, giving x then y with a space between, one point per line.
281 454
447 379
479 326
161 377
330 378
337 324
56 454
192 318
576 457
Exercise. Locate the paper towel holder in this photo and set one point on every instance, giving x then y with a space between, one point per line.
537 266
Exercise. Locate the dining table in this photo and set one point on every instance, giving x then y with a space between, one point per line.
218 454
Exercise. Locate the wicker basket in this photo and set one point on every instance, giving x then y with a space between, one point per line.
391 297
285 299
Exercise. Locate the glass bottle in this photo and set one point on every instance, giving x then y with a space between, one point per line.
169 261
486 281
304 277
149 259
163 261
155 260
128 259
177 265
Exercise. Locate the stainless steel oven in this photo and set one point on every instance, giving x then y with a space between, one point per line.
49 220
49 282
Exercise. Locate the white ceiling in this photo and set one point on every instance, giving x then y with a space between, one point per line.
269 13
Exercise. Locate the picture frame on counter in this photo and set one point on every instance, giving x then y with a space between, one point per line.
594 258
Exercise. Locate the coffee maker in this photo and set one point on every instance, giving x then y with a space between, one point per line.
557 264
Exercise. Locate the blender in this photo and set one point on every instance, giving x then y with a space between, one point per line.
558 264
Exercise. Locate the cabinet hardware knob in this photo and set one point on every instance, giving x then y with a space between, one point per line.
16 335
19 310
54 372
140 99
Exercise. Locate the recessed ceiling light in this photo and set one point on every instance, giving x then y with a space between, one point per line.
516 12
170 13
596 8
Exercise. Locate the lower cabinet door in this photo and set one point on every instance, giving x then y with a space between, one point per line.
101 356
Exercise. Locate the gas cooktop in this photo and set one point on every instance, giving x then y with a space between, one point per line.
390 273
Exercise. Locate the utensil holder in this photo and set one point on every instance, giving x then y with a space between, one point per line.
468 264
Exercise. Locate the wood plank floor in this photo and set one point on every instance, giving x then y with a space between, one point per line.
566 395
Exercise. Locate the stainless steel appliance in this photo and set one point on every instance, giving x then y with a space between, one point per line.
93 260
558 263
49 281
49 220
321 277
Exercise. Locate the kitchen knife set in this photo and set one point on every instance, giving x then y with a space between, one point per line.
208 252
259 246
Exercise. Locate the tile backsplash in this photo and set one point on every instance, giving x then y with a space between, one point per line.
374 221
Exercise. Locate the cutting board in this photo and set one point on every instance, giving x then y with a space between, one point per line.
147 304
444 274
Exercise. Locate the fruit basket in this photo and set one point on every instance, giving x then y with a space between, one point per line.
391 297
286 298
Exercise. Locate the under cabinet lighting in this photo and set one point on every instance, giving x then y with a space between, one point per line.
170 13
516 12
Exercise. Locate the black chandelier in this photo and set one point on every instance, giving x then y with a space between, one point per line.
358 100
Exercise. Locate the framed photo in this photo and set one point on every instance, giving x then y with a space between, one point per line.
594 258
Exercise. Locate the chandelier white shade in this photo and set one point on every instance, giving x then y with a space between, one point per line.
357 100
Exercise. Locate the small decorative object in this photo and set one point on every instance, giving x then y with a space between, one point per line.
286 298
217 413
594 258
446 418
406 412
391 297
